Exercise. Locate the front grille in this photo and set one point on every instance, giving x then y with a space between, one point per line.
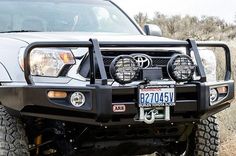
159 58
160 61
157 61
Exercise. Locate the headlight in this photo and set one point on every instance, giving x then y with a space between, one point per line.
181 68
209 62
48 61
124 69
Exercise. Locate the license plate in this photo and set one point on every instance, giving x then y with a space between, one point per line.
156 95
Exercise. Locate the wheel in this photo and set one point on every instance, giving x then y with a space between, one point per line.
204 139
13 141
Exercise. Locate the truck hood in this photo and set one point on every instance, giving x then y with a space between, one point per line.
78 36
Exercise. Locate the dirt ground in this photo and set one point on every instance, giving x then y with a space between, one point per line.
228 148
227 122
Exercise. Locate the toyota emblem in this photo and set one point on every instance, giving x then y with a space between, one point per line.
143 60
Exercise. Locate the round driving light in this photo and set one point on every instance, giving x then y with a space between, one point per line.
213 95
77 99
181 68
124 69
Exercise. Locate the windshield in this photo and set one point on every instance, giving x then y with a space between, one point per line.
60 16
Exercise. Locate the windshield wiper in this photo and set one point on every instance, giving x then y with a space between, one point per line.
19 31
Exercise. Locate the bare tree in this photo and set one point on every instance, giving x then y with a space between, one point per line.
204 28
141 19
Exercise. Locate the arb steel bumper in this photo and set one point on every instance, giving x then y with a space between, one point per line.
192 102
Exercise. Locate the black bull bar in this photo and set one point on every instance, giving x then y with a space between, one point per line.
95 53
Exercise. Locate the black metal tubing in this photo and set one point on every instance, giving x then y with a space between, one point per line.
101 67
200 67
94 48
148 44
92 66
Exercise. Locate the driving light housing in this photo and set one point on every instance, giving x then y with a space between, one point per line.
213 95
124 69
48 61
77 99
181 68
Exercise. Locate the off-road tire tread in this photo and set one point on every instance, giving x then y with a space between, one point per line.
13 140
207 137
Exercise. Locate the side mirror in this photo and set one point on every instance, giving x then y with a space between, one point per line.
152 30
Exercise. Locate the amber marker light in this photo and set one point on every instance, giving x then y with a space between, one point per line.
222 90
57 94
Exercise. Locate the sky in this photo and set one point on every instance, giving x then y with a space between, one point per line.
224 9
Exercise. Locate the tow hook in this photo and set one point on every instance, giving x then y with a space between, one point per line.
149 117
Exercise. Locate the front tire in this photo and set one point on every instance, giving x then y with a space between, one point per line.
13 141
204 140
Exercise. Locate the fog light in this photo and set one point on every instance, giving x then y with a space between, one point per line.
124 69
213 95
77 99
181 68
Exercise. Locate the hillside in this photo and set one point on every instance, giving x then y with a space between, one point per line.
178 27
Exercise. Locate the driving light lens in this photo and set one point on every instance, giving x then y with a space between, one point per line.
181 68
213 95
124 69
48 61
77 99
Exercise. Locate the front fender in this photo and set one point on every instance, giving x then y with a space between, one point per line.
4 75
